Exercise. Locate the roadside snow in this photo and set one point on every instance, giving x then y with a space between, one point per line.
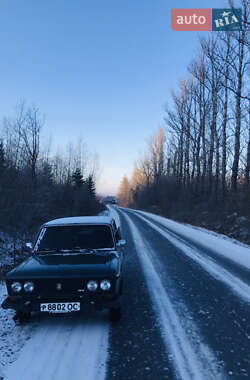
12 336
6 247
113 214
1 373
218 235
238 253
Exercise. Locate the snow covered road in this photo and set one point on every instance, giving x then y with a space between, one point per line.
64 348
185 314
191 357
209 264
205 285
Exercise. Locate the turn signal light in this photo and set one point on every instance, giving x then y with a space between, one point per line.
12 298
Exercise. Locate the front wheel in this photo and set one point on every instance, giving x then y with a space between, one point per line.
115 314
22 317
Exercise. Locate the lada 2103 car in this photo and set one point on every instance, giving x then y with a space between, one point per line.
75 261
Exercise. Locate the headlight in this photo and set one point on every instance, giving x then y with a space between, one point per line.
92 286
105 285
28 287
16 287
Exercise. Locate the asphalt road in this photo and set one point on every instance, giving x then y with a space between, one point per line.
185 315
215 320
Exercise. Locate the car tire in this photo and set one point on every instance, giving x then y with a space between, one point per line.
22 317
115 314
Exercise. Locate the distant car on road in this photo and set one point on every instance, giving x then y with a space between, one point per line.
110 200
75 261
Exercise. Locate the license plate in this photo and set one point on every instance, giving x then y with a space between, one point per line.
60 307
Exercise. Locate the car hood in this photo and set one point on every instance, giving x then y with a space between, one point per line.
75 265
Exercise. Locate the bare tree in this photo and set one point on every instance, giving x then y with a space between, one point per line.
124 194
30 133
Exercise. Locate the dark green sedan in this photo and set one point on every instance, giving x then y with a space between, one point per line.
75 261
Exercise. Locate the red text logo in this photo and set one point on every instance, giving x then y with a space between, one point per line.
191 19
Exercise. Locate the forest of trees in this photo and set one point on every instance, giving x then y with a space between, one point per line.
35 185
200 160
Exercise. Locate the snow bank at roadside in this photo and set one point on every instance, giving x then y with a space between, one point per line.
113 213
217 234
12 336
6 247
236 252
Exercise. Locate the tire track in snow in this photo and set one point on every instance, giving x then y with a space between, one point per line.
192 359
236 285
63 348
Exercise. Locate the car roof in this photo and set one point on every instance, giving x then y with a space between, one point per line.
80 220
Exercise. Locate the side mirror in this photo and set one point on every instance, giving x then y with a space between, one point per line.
121 243
29 246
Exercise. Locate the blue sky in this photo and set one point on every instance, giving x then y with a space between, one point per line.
100 70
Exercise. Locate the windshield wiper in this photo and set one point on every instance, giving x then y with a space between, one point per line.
48 250
89 251
73 250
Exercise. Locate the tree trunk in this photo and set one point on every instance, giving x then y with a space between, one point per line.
235 168
224 124
247 170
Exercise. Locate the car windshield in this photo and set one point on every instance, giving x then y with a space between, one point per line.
75 237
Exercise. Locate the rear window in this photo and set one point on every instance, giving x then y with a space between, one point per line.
69 237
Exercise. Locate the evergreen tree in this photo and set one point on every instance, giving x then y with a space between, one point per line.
2 158
91 186
46 174
77 178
